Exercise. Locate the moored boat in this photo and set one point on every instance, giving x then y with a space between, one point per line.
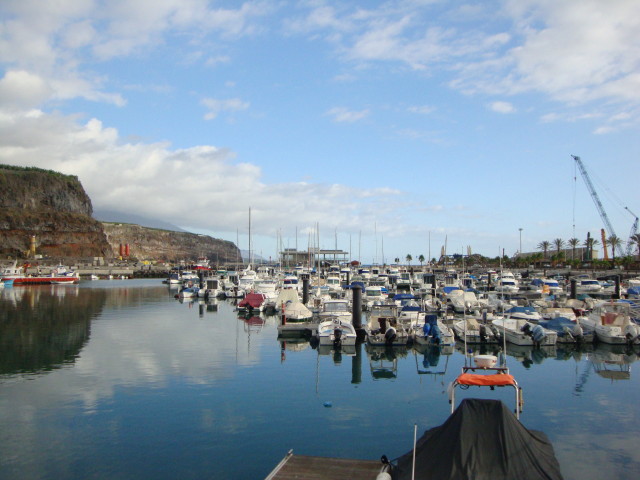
58 275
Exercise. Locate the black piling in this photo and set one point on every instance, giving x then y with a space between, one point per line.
305 289
572 293
616 294
356 310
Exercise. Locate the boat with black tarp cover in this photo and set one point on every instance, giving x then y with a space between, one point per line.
482 439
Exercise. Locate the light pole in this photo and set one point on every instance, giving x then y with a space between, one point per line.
520 240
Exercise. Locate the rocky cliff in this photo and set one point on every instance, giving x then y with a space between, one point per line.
156 244
55 209
52 207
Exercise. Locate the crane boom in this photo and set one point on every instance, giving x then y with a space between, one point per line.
594 196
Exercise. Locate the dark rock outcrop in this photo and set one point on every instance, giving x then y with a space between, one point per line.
55 209
52 207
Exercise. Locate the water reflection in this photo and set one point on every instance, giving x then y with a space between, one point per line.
613 362
383 360
44 327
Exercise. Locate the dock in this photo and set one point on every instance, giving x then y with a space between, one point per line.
298 329
323 468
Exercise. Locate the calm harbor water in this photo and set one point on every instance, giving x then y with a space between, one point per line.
118 379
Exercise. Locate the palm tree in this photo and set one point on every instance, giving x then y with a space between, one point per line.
397 260
421 260
589 243
559 244
615 243
573 243
409 258
544 246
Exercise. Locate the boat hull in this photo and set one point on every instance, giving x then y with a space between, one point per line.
42 280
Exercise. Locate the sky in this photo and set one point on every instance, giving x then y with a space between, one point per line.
383 128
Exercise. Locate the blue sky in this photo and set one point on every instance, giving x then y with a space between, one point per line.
385 123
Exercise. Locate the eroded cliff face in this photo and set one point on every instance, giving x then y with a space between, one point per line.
156 244
52 207
56 210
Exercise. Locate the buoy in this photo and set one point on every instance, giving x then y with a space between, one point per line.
327 404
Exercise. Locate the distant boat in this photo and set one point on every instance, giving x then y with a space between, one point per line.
58 275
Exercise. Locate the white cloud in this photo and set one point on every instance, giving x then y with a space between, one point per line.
421 109
21 89
179 185
502 107
344 115
216 106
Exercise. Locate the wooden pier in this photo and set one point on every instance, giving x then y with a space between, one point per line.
323 468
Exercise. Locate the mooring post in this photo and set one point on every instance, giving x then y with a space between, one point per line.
356 310
572 295
305 289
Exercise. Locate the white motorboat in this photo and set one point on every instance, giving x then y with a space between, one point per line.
521 332
337 332
374 294
530 314
612 323
588 285
506 285
433 332
334 283
335 308
462 301
296 311
188 292
469 330
387 331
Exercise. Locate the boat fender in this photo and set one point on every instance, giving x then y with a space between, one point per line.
383 476
390 335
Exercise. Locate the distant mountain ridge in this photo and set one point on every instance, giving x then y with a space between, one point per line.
115 216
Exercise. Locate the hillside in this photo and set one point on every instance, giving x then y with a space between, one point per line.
52 207
152 243
56 210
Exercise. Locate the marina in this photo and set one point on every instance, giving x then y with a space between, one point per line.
121 379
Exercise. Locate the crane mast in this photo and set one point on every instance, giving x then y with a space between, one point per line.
632 234
594 196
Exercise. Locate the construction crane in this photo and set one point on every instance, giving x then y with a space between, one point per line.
596 200
632 234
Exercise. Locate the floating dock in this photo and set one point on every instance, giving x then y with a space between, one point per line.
323 468
298 329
